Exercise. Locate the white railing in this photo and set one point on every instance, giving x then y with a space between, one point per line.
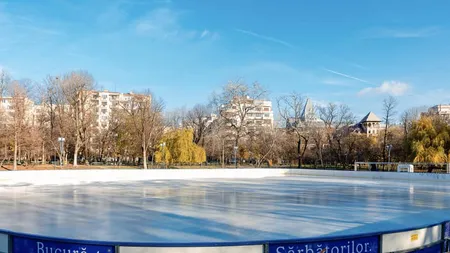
356 165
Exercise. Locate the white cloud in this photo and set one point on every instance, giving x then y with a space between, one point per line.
158 23
164 23
401 33
204 33
394 88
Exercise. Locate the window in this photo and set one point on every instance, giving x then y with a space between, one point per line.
104 103
104 111
266 115
104 96
266 109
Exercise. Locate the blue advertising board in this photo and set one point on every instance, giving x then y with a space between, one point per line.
356 245
436 248
447 230
27 245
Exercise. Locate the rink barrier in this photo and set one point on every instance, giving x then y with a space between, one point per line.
432 239
63 177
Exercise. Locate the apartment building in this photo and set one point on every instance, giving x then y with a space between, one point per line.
108 101
441 110
259 113
7 110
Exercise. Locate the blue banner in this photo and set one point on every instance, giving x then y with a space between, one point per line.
437 248
357 245
26 245
447 230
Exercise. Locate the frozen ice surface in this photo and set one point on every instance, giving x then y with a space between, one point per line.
219 210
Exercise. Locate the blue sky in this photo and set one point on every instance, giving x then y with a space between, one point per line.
353 52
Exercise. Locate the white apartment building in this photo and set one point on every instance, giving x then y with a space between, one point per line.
442 110
106 101
259 115
7 110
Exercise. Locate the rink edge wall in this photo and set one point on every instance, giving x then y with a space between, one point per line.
62 177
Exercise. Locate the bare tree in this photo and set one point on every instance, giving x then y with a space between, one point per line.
176 118
145 116
5 79
389 105
336 118
197 119
19 107
76 88
318 135
235 102
290 108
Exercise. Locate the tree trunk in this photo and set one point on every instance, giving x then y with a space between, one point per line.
15 152
43 153
75 156
385 142
299 152
144 157
236 152
6 155
223 153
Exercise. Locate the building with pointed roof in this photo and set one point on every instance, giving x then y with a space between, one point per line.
369 125
308 116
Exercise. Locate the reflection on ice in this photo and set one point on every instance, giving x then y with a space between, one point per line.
221 210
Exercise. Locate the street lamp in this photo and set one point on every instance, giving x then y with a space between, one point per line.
163 145
61 141
235 156
389 148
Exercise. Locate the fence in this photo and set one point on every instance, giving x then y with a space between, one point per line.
433 238
392 166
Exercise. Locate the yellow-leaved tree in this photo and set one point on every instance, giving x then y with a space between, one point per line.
429 140
178 147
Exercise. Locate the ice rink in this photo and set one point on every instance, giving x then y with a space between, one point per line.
222 210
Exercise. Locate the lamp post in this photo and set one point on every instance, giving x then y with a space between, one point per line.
61 141
389 147
235 156
163 145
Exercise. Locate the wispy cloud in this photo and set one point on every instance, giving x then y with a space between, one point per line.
24 25
271 39
164 23
394 88
347 76
401 33
358 66
335 82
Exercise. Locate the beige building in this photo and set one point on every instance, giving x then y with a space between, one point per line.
369 125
